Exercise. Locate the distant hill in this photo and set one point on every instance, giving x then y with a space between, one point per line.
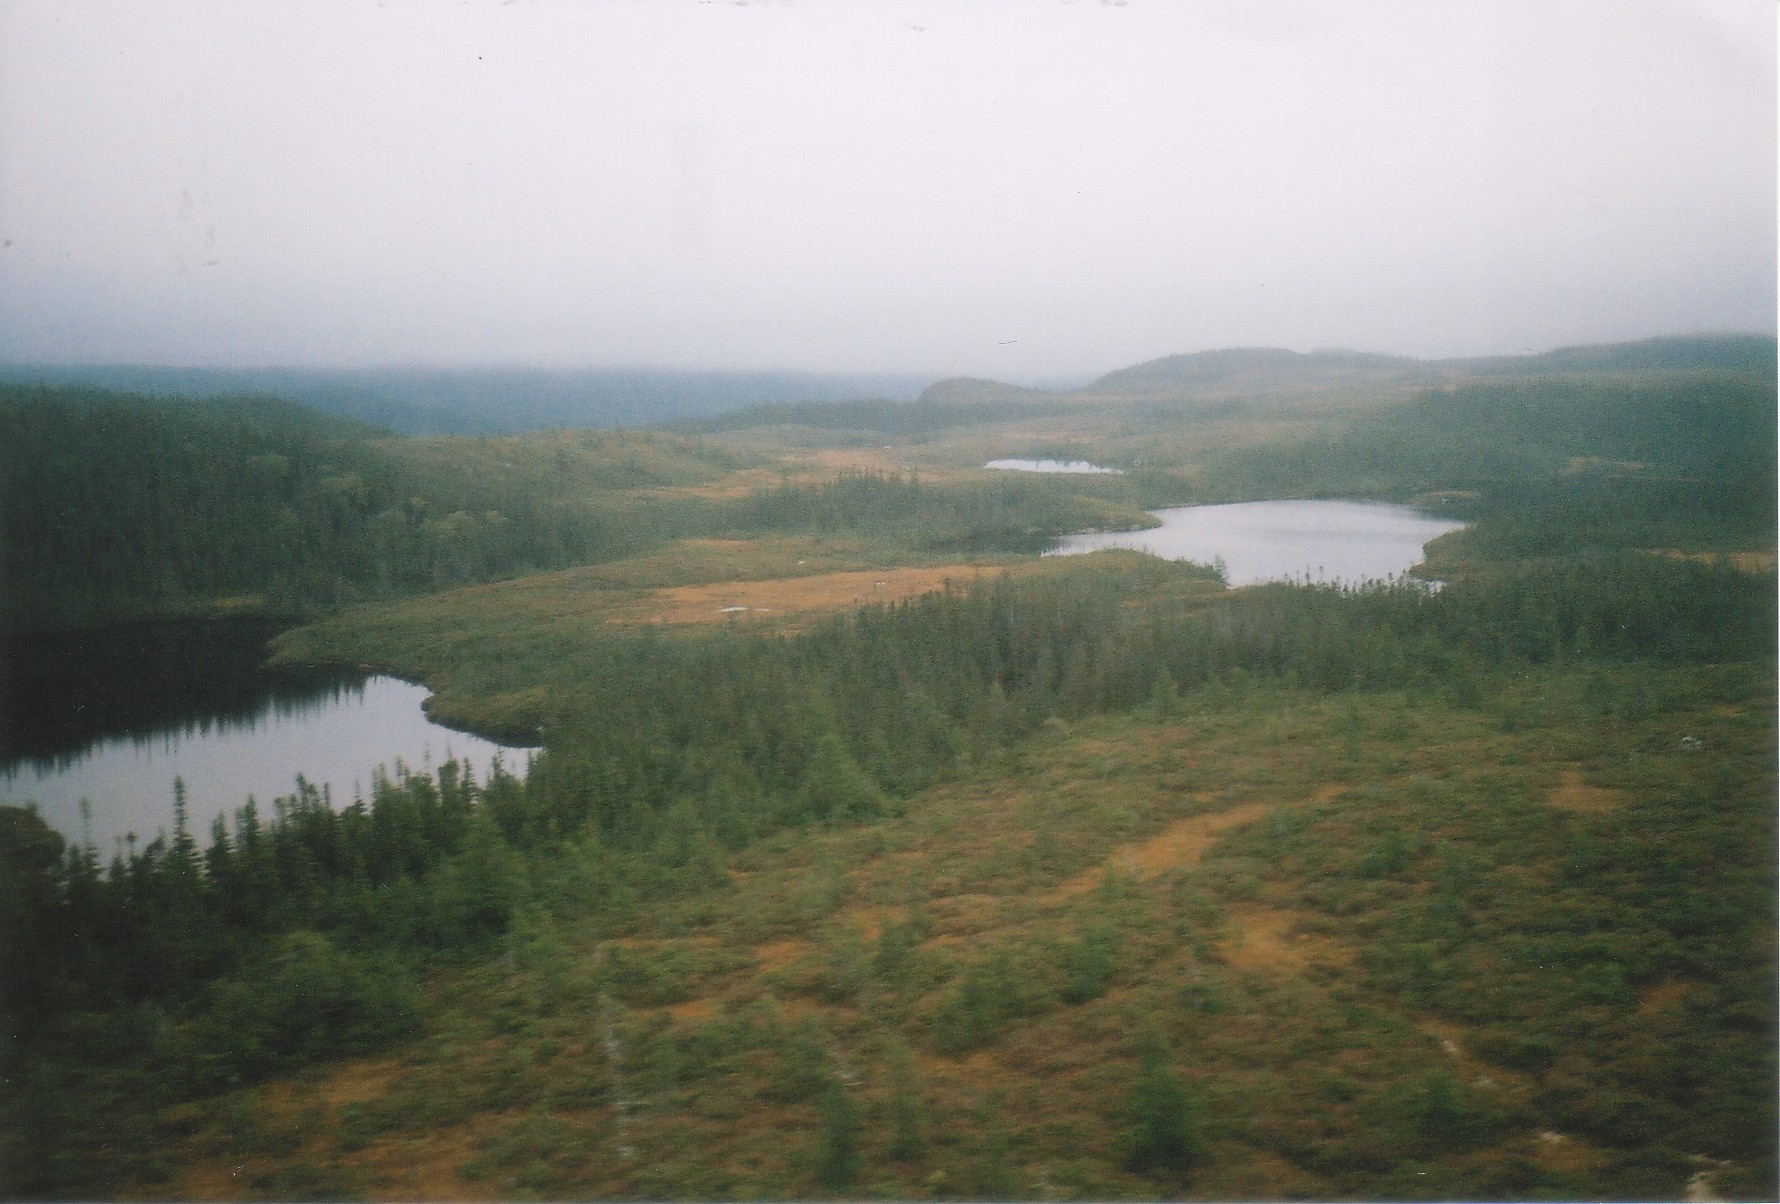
907 418
1682 353
1248 373
1258 365
489 401
1264 374
493 401
975 391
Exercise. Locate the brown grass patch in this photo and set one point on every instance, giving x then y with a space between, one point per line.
416 1166
857 459
214 1181
1269 940
1664 996
1182 844
1553 1151
865 919
740 483
1185 842
776 955
1745 562
1573 794
965 914
793 595
693 1009
979 1071
357 1083
1580 464
423 1167
700 941
801 467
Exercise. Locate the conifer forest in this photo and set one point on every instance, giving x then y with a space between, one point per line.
851 847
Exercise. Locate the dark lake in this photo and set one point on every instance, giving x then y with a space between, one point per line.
114 716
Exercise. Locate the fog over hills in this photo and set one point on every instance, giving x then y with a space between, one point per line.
487 401
1025 193
1678 353
1274 373
423 400
1217 367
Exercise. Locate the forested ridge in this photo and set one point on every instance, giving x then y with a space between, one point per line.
478 400
118 507
115 508
1696 442
1087 880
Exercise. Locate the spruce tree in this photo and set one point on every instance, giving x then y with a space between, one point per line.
838 1163
1165 1133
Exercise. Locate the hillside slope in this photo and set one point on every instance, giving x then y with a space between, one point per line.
117 507
485 401
944 871
1277 376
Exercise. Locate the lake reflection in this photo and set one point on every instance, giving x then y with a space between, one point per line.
1076 466
1346 542
178 707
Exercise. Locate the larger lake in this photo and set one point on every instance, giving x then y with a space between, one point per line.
113 717
1342 542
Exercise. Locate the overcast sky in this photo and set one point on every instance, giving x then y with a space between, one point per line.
1010 189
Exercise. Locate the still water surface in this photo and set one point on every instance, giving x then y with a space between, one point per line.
114 717
1345 542
1076 466
174 705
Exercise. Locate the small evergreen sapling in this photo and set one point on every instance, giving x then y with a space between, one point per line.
1165 1133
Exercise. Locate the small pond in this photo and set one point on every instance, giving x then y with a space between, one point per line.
113 717
1344 542
1077 466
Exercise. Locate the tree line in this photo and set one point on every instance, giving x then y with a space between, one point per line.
116 508
1696 448
679 752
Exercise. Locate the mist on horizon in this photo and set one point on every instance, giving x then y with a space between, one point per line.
1025 193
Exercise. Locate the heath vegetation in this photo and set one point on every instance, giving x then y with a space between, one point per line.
1004 877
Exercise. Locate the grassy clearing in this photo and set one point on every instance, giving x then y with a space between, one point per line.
495 654
782 597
